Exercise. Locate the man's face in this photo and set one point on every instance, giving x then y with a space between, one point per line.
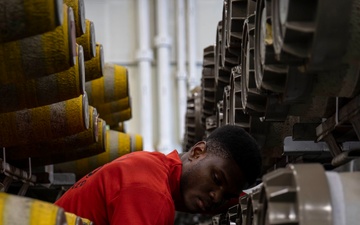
208 181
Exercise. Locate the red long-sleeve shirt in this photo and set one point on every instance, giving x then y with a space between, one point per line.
137 188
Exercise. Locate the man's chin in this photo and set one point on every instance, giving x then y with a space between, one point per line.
191 210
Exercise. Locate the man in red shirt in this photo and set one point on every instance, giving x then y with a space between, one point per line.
147 187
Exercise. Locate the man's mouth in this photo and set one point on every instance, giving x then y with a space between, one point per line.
201 204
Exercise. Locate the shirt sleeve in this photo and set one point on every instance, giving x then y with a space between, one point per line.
141 206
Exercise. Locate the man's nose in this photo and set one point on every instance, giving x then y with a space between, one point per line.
217 195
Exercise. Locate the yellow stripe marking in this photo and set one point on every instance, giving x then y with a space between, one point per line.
43 213
74 112
97 90
85 39
40 122
56 44
120 82
104 157
8 133
46 7
70 218
138 142
3 198
11 56
124 144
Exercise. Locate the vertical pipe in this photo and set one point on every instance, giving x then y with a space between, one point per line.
144 57
181 66
162 42
191 38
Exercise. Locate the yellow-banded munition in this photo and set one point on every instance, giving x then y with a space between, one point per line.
136 142
118 127
117 144
21 19
88 152
115 118
94 148
44 90
87 221
44 123
111 87
39 55
55 150
16 210
73 219
87 40
115 106
79 13
94 67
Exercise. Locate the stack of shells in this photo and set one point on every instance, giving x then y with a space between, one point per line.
60 103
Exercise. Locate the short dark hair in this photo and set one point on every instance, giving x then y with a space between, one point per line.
233 141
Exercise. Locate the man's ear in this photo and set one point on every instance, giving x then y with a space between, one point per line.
198 150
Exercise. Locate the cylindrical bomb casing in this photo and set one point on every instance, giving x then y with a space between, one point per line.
88 154
44 90
79 13
115 118
111 87
52 151
115 106
18 210
118 144
39 55
87 40
73 219
87 221
136 142
118 127
21 19
44 123
94 67
92 149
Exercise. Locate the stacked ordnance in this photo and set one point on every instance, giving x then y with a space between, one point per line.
296 195
49 60
277 71
194 132
110 94
18 210
21 20
22 210
42 80
116 144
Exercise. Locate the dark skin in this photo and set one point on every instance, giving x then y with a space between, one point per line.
208 181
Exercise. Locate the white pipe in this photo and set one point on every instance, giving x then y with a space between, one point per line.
181 66
144 57
191 38
162 42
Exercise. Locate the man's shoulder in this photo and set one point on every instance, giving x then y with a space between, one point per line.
137 162
140 156
146 156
